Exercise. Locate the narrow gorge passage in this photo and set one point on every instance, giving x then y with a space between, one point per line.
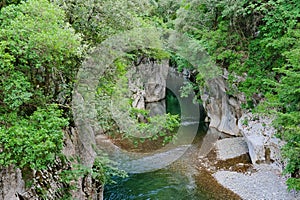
183 179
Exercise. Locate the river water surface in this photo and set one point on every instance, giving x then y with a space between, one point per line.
180 180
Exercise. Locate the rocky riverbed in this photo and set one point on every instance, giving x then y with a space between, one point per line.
265 182
250 165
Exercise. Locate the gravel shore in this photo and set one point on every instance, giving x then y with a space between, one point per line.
264 183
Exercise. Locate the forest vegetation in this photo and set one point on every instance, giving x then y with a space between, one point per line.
43 44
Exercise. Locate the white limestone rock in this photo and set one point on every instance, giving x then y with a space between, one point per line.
231 148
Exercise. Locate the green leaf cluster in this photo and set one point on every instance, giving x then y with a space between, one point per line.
34 141
97 20
39 54
39 57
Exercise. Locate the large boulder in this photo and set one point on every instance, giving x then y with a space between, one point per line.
259 134
256 148
223 111
231 148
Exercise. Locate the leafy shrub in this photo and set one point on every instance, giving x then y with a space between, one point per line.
103 171
32 141
40 53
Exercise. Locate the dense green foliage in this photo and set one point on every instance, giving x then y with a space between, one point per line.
39 55
42 45
32 141
97 20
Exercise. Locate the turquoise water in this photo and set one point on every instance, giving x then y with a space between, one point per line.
161 185
176 181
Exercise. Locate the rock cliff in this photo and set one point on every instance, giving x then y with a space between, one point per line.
26 184
259 134
226 115
223 111
147 82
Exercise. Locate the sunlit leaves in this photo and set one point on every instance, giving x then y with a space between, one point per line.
37 42
97 20
39 54
16 90
31 141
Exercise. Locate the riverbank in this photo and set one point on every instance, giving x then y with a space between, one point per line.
265 182
248 181
232 167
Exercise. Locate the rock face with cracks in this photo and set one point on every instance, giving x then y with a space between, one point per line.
11 183
223 111
253 135
147 83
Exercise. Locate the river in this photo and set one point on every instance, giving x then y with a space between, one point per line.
174 172
182 180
